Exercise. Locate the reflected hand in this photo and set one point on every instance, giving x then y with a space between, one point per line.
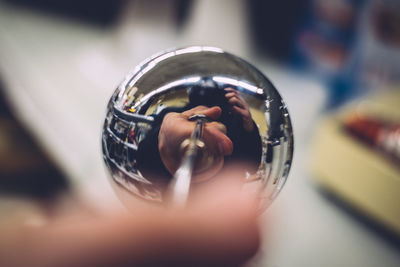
240 107
176 127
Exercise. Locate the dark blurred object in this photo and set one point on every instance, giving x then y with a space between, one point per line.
183 8
386 23
325 44
102 13
24 169
273 25
379 134
379 45
355 169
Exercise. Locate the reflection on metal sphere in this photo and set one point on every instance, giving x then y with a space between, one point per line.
202 106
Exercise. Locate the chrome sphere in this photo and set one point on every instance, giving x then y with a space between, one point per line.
234 113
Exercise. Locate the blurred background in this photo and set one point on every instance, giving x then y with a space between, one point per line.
336 64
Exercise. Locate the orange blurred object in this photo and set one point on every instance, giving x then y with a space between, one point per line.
383 135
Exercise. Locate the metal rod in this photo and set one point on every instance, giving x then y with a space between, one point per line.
180 185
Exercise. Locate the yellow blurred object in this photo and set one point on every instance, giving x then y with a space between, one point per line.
356 172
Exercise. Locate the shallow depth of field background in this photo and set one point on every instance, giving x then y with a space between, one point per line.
60 61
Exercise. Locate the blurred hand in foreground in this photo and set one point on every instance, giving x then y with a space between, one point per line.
218 227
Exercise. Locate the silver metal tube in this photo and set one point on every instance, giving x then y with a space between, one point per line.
180 185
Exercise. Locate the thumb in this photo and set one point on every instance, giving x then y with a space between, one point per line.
212 113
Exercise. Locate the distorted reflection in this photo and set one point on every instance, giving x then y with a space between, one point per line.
229 135
193 112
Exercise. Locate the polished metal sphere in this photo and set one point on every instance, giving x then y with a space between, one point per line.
198 98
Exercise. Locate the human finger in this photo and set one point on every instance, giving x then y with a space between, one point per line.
210 112
241 111
230 95
208 232
237 102
217 125
229 89
216 141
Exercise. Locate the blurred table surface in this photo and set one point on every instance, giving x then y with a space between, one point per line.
59 74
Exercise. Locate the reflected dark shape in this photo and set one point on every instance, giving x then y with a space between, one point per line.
246 144
97 13
156 100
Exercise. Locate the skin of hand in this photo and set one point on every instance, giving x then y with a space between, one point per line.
241 107
176 127
208 232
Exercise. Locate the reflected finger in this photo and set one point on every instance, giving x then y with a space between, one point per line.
229 95
210 112
221 127
237 102
230 90
216 141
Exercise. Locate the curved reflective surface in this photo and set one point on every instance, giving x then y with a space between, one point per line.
191 113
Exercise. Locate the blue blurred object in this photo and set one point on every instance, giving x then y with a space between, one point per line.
325 45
